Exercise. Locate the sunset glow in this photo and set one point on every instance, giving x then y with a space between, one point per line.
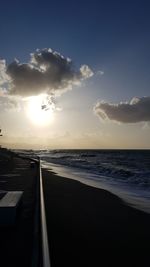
36 113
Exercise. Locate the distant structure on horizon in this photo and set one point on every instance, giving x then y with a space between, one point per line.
0 135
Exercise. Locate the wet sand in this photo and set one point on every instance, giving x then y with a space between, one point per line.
92 227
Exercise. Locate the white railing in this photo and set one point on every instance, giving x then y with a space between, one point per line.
45 247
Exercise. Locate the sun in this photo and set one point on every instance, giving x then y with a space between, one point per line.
37 113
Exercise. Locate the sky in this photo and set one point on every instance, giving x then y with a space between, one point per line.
75 74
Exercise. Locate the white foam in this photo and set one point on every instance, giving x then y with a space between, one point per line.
138 199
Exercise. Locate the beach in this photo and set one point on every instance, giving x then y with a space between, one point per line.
92 227
86 226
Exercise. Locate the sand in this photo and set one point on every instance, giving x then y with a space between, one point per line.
92 227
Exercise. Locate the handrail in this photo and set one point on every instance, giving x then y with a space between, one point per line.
39 208
45 247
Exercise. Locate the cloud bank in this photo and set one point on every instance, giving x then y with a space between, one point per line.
47 72
137 110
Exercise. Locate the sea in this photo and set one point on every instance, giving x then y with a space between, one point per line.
125 173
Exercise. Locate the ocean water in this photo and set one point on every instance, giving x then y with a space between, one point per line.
125 173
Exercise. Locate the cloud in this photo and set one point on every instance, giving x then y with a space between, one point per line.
10 104
5 79
47 72
137 110
100 73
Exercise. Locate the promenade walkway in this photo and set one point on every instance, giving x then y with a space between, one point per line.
16 242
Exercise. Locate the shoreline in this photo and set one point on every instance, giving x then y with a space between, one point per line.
131 198
87 225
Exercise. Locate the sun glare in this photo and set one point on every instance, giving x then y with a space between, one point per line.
37 112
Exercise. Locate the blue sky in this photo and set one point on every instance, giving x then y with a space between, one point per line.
84 29
108 35
111 36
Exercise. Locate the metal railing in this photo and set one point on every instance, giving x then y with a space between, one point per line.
45 246
40 226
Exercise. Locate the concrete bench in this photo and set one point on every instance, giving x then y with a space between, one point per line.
9 204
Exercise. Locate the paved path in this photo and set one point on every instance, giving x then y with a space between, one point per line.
16 242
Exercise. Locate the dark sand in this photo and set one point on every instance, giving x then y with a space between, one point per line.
92 227
16 243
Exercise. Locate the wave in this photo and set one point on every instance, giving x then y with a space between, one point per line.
125 173
126 167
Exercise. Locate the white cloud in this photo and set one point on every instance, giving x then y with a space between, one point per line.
86 72
10 104
137 110
100 72
5 79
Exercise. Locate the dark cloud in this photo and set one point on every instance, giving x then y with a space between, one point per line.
47 72
137 110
